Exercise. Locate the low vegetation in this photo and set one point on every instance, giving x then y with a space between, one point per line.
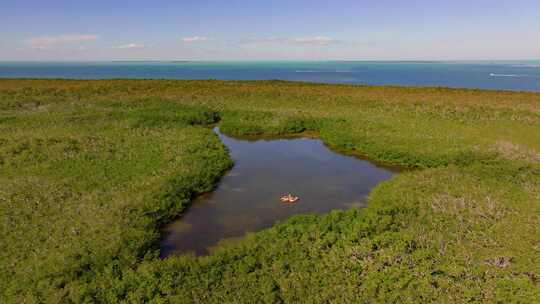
90 171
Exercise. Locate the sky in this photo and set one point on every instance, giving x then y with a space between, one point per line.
269 30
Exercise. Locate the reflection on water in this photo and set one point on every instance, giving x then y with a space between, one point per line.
247 198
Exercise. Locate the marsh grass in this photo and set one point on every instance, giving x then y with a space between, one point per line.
90 170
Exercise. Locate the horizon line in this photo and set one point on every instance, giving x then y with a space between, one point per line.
267 60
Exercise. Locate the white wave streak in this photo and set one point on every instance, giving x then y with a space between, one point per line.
505 75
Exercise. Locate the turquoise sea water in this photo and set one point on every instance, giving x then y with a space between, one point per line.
499 75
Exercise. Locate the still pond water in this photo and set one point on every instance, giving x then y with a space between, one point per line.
247 198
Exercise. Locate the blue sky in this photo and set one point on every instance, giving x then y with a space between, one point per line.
278 29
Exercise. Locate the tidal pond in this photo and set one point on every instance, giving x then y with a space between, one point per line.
247 199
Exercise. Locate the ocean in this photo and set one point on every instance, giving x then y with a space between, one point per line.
493 75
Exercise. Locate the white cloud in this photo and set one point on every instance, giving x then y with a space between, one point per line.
130 46
315 40
266 40
194 39
318 40
43 42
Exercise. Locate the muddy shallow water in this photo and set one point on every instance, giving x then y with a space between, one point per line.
247 198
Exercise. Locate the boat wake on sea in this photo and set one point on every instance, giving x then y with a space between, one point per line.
506 75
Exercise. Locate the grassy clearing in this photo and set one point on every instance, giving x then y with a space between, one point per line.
91 169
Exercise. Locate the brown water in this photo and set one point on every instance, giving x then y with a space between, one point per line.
247 198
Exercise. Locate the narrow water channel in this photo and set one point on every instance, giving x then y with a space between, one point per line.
248 197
